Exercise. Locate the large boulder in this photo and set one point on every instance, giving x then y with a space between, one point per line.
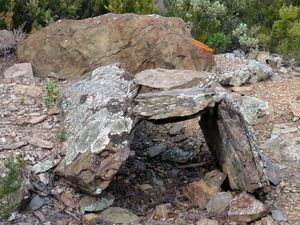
238 71
98 123
70 48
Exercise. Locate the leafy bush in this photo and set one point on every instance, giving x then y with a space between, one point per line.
245 37
52 93
132 6
11 186
219 42
208 20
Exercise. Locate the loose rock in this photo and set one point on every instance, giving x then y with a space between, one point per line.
218 202
36 203
278 215
118 215
91 219
245 208
96 204
36 141
207 222
156 150
18 70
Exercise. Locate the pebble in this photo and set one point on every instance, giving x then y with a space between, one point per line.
156 150
162 211
176 129
15 145
278 215
218 202
36 141
36 203
90 219
96 204
207 222
37 119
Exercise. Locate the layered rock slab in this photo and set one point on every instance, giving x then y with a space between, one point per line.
70 48
98 123
173 104
163 79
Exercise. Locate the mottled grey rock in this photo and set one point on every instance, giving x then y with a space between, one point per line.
273 171
176 129
19 70
98 121
36 203
218 202
96 204
156 150
42 167
253 109
240 72
278 215
163 79
173 104
177 155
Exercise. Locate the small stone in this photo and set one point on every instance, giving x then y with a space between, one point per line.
145 187
156 150
244 208
176 129
278 215
43 167
55 110
16 145
118 215
33 91
177 155
162 211
215 178
96 204
273 172
44 178
18 70
36 203
242 89
180 138
37 119
268 220
295 107
207 222
218 202
91 219
36 141
199 193
174 172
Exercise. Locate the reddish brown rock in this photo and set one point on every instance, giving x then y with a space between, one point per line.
70 48
245 208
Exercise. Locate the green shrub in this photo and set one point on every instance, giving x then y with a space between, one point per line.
11 186
62 134
52 93
132 6
245 37
219 42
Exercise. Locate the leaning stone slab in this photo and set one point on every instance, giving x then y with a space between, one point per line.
173 104
230 138
98 123
163 79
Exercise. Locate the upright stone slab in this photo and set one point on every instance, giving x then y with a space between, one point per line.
98 122
230 139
